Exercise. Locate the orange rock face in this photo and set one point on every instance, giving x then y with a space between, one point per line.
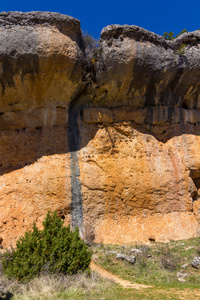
147 187
133 187
113 146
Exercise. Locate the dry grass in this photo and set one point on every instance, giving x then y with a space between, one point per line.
80 286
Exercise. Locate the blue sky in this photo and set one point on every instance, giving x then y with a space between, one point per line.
154 15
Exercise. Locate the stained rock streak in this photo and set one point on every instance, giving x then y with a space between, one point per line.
74 146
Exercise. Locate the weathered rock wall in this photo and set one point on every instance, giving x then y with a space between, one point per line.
112 143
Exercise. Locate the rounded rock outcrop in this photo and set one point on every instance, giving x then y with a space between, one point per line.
139 68
40 61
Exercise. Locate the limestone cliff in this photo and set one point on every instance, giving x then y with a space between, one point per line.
112 143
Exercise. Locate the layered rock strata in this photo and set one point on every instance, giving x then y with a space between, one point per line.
111 143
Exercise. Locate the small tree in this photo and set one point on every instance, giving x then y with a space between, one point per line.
182 31
170 35
54 249
91 45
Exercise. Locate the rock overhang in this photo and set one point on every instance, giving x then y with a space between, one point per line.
148 70
131 67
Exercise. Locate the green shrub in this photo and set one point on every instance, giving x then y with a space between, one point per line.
54 249
181 50
170 35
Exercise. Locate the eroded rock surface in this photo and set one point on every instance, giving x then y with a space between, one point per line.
112 143
40 68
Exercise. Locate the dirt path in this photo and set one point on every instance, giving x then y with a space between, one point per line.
124 283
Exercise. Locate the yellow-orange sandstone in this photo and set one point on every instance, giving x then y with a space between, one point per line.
112 145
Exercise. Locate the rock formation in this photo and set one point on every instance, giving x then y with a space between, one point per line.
111 143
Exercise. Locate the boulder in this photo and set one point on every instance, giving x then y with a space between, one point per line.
129 258
196 263
136 251
181 276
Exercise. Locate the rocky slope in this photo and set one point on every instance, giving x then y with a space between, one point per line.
111 142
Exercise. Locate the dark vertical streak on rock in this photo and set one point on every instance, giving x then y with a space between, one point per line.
73 142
